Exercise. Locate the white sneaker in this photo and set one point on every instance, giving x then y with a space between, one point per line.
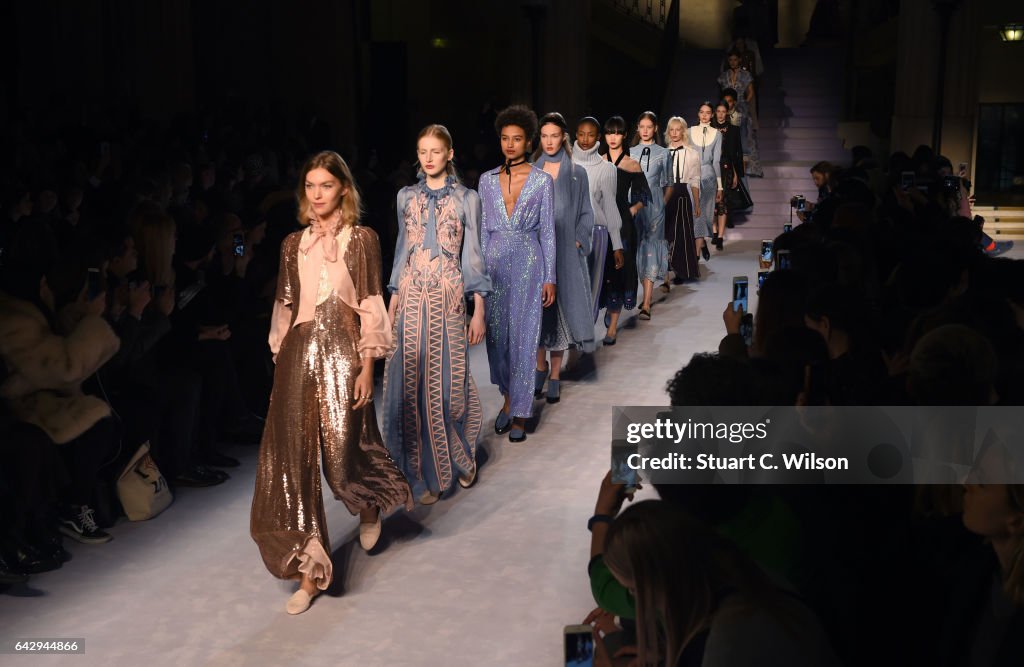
369 533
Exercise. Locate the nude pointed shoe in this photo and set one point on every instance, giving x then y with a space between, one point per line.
299 602
369 533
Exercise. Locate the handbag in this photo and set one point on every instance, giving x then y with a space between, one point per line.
737 199
141 487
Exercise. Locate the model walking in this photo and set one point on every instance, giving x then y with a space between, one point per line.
708 141
652 250
683 202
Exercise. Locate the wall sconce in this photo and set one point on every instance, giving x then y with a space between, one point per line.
1013 32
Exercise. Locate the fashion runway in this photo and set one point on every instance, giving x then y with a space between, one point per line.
487 576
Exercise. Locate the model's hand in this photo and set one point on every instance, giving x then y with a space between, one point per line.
620 259
735 181
477 328
696 211
548 294
635 208
718 196
732 318
362 393
392 308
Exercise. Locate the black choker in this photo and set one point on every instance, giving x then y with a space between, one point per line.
508 170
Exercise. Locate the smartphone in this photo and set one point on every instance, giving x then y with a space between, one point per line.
761 277
747 329
802 206
787 228
238 243
578 641
766 253
739 293
94 284
782 260
906 180
962 170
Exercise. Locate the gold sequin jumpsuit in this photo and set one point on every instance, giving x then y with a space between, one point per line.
310 417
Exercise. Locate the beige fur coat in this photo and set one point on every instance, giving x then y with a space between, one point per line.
45 370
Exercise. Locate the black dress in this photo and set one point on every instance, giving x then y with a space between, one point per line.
732 163
620 285
679 230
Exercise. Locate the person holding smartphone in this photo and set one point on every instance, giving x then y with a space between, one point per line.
328 326
432 414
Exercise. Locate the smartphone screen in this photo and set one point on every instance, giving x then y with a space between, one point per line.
782 259
766 253
962 170
739 293
761 276
803 205
747 329
906 180
239 244
94 285
579 646
787 228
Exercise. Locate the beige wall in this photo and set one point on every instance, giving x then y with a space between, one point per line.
794 20
705 24
980 69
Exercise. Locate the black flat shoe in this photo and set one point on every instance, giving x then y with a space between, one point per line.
502 423
719 242
517 435
705 253
645 314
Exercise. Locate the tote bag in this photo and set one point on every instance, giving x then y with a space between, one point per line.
141 488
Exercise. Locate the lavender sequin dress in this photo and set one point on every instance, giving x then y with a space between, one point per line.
519 257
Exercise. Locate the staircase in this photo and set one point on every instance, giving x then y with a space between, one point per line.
801 97
1001 222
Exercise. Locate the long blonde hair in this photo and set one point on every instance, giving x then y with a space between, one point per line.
679 120
1013 581
679 568
351 204
154 234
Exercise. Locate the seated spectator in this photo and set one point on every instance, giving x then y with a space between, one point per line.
49 353
157 405
855 368
701 601
781 304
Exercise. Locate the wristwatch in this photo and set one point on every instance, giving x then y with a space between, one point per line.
598 518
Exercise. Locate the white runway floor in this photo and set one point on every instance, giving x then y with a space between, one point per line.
488 576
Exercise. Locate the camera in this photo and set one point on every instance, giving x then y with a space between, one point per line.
238 244
799 202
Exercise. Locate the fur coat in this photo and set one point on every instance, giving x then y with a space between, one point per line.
42 385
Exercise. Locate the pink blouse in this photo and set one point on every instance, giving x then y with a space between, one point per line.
318 279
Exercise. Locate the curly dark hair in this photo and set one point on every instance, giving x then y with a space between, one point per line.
520 116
